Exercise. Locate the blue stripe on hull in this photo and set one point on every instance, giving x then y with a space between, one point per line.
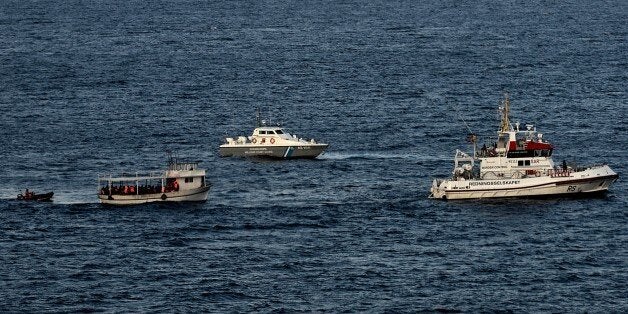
289 151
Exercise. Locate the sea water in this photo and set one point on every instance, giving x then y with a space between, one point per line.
95 87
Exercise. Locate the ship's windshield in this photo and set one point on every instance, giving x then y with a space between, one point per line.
271 132
279 131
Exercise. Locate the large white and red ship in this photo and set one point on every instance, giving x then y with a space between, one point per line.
518 164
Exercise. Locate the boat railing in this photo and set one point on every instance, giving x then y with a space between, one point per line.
593 166
182 166
554 173
151 183
154 175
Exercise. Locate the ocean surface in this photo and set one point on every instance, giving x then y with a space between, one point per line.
96 87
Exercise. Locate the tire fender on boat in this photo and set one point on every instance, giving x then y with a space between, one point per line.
272 141
163 197
254 141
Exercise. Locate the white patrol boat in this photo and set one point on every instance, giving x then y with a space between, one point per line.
271 142
181 182
518 164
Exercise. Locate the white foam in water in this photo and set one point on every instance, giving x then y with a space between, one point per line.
7 193
75 197
378 155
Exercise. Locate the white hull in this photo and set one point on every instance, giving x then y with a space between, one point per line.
271 142
592 180
274 151
193 195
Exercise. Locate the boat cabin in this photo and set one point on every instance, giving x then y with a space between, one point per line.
528 143
178 176
269 132
515 153
518 144
266 135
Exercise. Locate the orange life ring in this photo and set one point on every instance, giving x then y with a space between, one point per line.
254 141
272 141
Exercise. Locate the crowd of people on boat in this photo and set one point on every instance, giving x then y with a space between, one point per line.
488 151
131 189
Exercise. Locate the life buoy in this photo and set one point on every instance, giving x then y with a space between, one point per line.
272 141
254 141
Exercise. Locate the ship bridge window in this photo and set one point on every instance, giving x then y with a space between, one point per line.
279 131
189 180
522 163
546 153
271 132
262 132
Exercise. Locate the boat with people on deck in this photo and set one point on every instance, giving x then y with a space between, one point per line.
271 142
518 164
32 196
182 181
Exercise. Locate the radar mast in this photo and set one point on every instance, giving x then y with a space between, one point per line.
505 111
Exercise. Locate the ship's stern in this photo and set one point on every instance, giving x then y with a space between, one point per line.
436 191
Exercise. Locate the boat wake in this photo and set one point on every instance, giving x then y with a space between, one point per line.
380 155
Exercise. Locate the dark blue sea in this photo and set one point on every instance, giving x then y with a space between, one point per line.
96 87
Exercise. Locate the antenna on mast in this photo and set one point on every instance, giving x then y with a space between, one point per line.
471 137
258 119
171 157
